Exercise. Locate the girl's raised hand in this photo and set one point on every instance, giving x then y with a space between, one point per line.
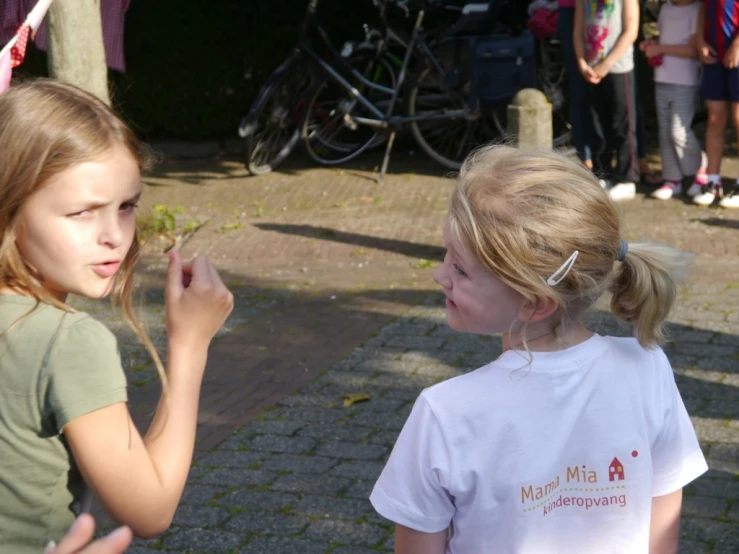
197 300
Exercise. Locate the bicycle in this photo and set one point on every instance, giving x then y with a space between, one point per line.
443 117
271 127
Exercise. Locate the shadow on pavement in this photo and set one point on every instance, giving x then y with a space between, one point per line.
411 249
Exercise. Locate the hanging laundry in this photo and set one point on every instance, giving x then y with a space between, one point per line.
14 52
112 12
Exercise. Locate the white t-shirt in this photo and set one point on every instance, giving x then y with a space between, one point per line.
561 456
676 25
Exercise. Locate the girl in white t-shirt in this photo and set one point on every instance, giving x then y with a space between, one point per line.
569 441
676 89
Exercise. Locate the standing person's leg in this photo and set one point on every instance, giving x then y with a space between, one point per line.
623 132
641 128
600 111
687 147
671 172
731 200
715 90
577 88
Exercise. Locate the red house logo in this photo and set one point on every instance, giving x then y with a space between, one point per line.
616 470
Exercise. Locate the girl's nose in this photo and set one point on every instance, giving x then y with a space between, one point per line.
442 278
112 233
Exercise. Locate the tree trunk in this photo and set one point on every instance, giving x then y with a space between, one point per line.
76 54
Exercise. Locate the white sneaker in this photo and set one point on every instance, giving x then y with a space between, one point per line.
666 191
622 191
709 194
731 200
604 184
694 190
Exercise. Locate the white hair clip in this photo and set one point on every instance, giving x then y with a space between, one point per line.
556 277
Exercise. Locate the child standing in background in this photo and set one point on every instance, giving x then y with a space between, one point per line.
718 49
676 91
604 36
580 119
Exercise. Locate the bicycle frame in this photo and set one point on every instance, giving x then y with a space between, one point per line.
383 120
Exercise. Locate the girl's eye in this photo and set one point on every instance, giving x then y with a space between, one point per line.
459 270
129 206
79 214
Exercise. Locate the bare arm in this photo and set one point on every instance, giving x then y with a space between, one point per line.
139 481
578 39
677 50
706 52
410 541
665 524
628 36
578 33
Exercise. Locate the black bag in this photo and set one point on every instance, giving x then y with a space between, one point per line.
501 66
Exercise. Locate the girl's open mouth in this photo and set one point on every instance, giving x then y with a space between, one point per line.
106 269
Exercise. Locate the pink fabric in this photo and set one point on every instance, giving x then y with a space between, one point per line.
6 72
543 23
113 12
566 3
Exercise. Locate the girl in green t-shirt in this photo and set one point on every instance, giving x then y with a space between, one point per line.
69 186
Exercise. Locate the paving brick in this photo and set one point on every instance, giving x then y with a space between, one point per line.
299 464
314 415
704 506
266 523
225 458
280 545
693 547
330 507
351 450
200 516
238 477
201 494
278 427
360 489
359 469
335 432
251 499
202 540
288 445
312 484
347 532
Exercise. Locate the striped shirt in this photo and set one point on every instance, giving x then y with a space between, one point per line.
721 24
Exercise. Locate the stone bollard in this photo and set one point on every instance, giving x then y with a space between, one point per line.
530 119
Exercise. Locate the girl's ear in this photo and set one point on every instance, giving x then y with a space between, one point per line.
538 310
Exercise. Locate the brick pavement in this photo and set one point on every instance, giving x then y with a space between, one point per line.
332 276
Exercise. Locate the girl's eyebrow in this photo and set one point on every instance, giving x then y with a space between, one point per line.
135 198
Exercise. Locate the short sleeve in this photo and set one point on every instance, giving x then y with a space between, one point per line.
677 458
412 489
83 371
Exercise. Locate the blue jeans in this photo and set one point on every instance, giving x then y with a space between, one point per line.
579 113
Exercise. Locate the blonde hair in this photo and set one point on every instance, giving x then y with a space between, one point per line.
522 213
47 127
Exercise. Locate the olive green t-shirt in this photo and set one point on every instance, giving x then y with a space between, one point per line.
55 366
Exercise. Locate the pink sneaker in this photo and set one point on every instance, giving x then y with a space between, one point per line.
667 190
700 181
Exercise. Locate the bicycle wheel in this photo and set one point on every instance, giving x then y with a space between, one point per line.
330 134
448 141
270 129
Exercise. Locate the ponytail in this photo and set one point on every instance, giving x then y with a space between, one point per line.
645 287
